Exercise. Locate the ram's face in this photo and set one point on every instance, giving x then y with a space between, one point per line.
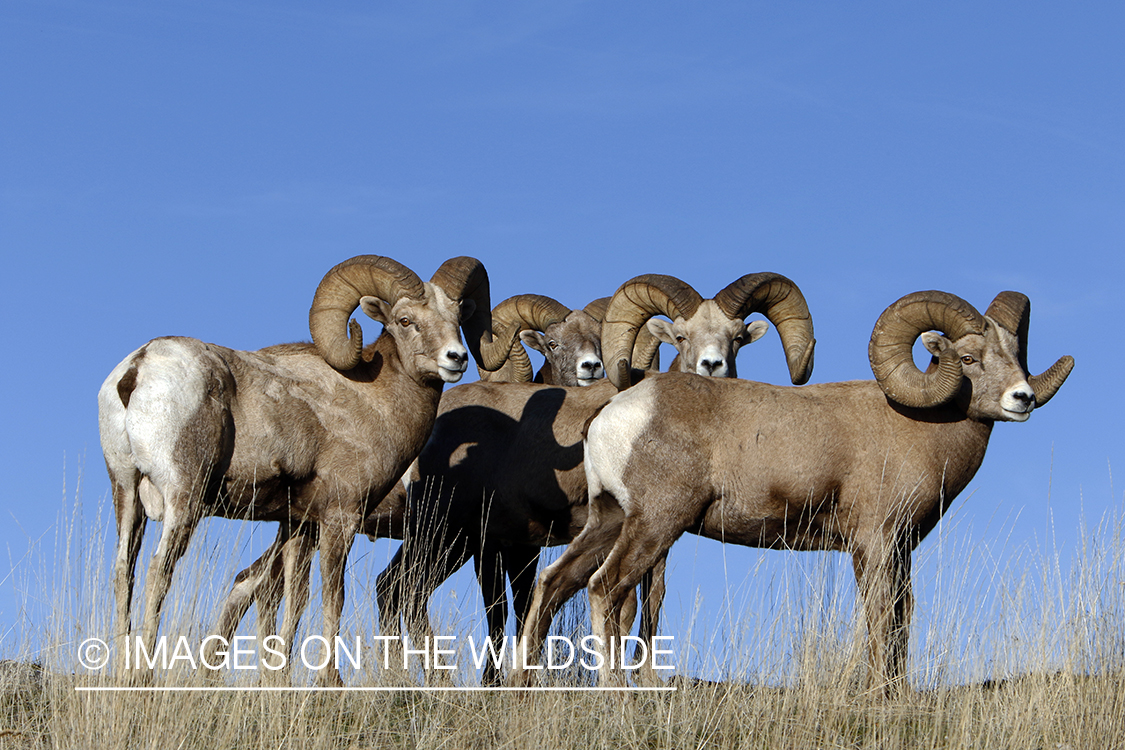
709 341
573 348
995 383
427 333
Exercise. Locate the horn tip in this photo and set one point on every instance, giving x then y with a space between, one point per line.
621 375
802 371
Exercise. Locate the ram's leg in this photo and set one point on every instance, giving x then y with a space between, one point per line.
289 577
520 563
562 579
404 588
423 571
389 595
611 591
435 546
337 532
130 531
489 564
652 599
297 569
493 562
644 542
627 614
440 565
245 591
175 535
267 598
883 576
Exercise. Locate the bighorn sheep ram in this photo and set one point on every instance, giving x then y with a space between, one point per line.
865 467
501 475
297 432
570 341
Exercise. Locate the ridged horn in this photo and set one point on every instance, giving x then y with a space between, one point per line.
338 295
464 278
527 312
1012 311
630 308
596 309
517 369
646 352
893 338
1046 385
520 313
779 299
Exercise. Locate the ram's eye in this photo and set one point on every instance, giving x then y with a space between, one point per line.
404 321
968 359
552 344
680 339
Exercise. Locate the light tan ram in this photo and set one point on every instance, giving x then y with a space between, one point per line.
297 432
864 467
569 340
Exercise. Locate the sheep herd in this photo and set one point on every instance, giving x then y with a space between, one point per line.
334 438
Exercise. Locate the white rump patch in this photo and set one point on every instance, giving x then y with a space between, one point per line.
611 438
171 387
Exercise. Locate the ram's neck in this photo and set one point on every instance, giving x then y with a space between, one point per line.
382 364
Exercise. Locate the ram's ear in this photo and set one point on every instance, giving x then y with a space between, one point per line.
661 329
535 340
935 343
755 331
375 308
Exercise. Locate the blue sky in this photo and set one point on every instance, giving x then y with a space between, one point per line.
194 168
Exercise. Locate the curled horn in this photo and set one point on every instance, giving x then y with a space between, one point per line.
515 314
893 338
1048 383
782 303
596 309
339 294
517 369
646 352
527 311
465 278
631 306
1012 311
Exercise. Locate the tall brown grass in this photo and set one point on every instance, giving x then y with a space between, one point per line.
1010 648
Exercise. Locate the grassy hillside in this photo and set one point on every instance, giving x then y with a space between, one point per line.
1030 655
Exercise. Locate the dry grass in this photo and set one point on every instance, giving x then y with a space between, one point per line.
1040 711
1041 666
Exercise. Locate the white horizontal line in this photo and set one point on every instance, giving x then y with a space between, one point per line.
548 689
